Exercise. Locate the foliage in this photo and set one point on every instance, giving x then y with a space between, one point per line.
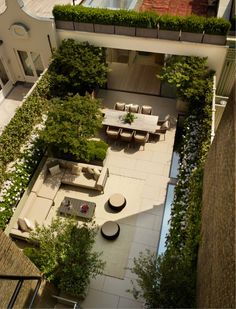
18 178
64 254
129 117
97 150
77 68
71 123
168 22
131 18
177 267
188 74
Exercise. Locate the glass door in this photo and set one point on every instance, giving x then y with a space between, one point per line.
31 64
5 83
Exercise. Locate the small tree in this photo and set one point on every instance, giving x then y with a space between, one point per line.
64 254
77 68
71 123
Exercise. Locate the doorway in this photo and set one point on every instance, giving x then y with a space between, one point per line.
31 64
5 83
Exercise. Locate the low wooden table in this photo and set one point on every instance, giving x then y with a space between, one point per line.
73 206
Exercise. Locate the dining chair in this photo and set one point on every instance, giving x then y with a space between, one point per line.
161 121
119 106
134 108
126 136
161 129
141 138
113 133
146 109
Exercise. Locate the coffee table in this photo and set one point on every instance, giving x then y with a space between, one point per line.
73 206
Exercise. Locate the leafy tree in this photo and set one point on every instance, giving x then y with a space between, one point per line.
64 254
71 123
77 68
189 75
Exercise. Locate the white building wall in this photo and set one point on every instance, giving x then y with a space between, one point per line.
224 8
37 41
215 53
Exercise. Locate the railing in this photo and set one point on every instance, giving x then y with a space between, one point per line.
213 109
20 280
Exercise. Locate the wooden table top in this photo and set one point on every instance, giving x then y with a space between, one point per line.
147 123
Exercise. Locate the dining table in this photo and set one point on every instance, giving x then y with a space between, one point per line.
142 122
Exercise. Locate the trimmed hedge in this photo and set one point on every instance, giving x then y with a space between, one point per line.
213 25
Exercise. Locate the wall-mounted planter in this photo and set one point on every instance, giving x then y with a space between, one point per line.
168 35
87 27
122 30
110 29
214 39
66 25
191 37
146 32
182 106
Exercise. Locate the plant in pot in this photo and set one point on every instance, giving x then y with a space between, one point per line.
84 19
146 24
125 22
169 27
64 16
129 118
103 21
192 29
216 30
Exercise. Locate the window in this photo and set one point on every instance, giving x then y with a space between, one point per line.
3 74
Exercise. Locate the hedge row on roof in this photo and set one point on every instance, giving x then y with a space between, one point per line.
193 23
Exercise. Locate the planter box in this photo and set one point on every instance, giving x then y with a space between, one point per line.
191 37
122 30
182 106
214 39
146 32
87 27
168 35
66 25
110 29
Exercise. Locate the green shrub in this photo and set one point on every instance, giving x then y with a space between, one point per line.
131 18
217 26
168 22
193 24
97 150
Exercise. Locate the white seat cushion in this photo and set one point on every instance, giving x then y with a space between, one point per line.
54 170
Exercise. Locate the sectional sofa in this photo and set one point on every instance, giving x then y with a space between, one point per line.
54 173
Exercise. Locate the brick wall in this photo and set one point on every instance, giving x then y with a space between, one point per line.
216 260
13 262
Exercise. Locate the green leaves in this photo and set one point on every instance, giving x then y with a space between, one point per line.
64 254
71 122
77 68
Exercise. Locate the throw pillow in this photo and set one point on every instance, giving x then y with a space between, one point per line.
29 224
55 170
90 170
97 173
76 170
165 125
22 225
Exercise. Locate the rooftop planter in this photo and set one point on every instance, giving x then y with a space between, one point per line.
216 30
192 29
169 27
143 24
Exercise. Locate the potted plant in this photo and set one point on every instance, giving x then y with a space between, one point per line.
216 30
103 21
169 27
124 22
192 29
146 25
83 19
129 118
64 16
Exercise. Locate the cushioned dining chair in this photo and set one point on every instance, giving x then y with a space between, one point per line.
141 138
146 109
161 121
161 129
126 136
119 106
113 133
133 108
